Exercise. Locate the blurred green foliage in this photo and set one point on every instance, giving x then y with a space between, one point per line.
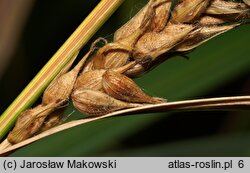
221 67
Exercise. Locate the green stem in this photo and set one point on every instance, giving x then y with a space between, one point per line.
74 43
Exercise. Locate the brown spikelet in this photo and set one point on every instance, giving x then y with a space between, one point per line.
88 66
162 12
136 71
154 44
123 88
30 122
203 35
90 80
221 7
210 21
188 11
93 79
133 24
116 54
157 23
53 119
94 103
60 88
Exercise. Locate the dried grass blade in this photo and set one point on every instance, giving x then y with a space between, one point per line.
221 103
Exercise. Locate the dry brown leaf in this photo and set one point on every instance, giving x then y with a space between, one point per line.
222 103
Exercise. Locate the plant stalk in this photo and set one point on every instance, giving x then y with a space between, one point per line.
63 56
221 103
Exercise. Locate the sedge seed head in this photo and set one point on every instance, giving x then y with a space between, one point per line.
90 80
60 88
203 35
53 119
94 103
123 88
211 21
132 25
221 7
188 10
161 16
153 44
30 122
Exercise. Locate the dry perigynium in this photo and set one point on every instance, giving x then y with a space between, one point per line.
123 88
96 103
31 121
103 84
47 114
